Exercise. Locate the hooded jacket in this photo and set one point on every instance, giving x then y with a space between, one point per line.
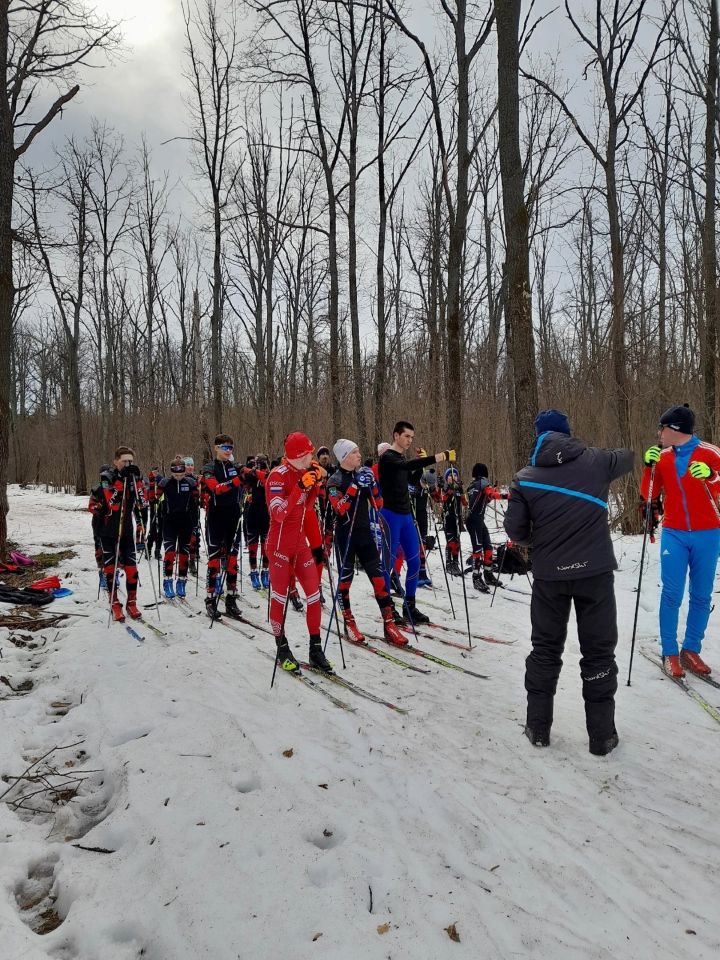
559 506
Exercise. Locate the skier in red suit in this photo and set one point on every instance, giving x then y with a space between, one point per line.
292 489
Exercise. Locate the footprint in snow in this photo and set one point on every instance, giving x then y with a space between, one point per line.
326 838
36 896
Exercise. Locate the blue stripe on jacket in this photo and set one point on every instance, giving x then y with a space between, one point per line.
565 490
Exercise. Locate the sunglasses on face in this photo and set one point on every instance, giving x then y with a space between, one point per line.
177 469
227 447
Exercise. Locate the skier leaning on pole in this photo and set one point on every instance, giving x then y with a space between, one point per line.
292 488
687 471
352 490
123 491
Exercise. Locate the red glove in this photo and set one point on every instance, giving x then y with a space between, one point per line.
236 481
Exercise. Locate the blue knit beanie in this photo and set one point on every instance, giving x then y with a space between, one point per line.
551 421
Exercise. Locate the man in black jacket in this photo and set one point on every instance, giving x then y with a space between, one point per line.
558 505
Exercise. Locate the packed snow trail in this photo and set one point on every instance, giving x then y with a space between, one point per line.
242 822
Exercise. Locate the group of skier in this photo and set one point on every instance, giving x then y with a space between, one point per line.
293 511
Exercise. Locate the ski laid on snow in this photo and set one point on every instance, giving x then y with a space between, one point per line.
301 678
684 685
426 655
353 687
364 645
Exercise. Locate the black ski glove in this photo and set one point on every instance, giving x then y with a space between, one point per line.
131 470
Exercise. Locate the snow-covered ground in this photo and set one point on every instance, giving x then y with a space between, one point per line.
225 847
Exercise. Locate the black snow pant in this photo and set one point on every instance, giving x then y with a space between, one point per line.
596 616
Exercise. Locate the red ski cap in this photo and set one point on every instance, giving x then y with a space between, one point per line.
297 445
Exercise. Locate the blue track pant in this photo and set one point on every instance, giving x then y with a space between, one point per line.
403 533
681 550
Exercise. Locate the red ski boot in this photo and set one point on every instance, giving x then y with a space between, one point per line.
132 609
393 634
351 628
117 611
672 667
694 663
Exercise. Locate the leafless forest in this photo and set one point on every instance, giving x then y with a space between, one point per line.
435 217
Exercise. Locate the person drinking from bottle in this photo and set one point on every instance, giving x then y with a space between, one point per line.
686 470
355 498
292 489
393 470
122 494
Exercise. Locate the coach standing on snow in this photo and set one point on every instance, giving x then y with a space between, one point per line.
687 471
558 505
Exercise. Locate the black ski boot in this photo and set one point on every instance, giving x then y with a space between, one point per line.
491 580
539 736
398 618
211 608
415 616
396 584
231 607
479 583
285 657
316 656
296 601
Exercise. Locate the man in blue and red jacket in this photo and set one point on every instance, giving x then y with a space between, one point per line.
686 471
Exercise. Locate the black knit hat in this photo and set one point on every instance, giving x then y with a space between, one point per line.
679 418
479 470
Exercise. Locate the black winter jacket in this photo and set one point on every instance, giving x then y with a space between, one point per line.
558 506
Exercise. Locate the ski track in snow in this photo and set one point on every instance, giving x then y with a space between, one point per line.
225 849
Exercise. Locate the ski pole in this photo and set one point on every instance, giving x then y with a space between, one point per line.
442 561
467 612
113 589
145 549
341 569
712 500
648 518
423 548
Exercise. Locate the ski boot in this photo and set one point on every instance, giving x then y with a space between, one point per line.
117 611
255 579
351 628
424 580
181 588
316 656
398 619
415 616
131 608
296 602
211 607
103 579
693 662
265 579
491 580
168 588
231 607
192 567
539 736
285 656
323 601
479 583
393 634
673 667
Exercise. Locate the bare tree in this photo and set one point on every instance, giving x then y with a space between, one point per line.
212 50
41 42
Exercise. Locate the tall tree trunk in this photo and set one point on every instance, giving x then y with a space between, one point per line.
712 298
7 287
518 302
215 317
